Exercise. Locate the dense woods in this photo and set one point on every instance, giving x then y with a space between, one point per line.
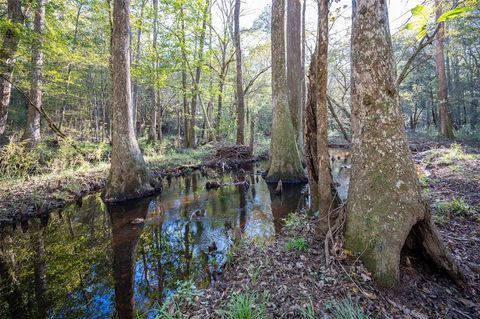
239 159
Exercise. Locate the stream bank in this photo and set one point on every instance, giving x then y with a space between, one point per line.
39 195
290 278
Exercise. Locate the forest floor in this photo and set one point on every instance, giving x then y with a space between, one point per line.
289 278
23 198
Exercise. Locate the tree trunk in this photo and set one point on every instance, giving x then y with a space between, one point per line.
294 66
186 111
152 134
69 67
385 203
129 177
327 199
7 58
445 122
198 74
239 91
285 161
32 129
311 154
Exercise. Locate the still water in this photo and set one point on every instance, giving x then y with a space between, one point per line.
84 260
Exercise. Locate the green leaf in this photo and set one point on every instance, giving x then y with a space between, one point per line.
420 11
454 13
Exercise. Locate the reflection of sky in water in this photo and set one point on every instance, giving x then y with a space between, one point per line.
170 246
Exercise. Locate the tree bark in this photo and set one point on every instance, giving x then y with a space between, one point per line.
239 80
285 161
294 66
129 177
445 122
32 129
327 198
311 154
11 39
135 86
385 203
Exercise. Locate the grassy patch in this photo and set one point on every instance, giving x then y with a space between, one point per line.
444 211
346 308
297 244
449 156
246 306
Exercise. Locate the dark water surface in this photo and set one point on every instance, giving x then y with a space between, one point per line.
90 260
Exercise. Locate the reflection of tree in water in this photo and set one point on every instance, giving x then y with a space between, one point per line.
9 284
291 199
127 224
40 269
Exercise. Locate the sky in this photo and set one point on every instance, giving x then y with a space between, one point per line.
399 11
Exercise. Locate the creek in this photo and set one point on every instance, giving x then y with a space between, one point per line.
92 260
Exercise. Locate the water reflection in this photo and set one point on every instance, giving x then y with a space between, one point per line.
127 222
94 261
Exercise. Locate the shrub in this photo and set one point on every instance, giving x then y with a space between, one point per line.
18 160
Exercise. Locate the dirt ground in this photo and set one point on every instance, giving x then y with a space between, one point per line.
296 280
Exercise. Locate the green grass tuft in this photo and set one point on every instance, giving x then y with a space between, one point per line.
346 308
298 244
246 306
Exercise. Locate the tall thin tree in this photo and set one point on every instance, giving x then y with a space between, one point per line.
326 190
445 122
239 83
32 129
11 39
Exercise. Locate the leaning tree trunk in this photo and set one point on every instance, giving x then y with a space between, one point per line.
129 177
239 93
385 204
445 121
285 161
294 66
32 129
7 58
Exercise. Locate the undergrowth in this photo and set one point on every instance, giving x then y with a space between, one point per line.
246 305
456 207
346 308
